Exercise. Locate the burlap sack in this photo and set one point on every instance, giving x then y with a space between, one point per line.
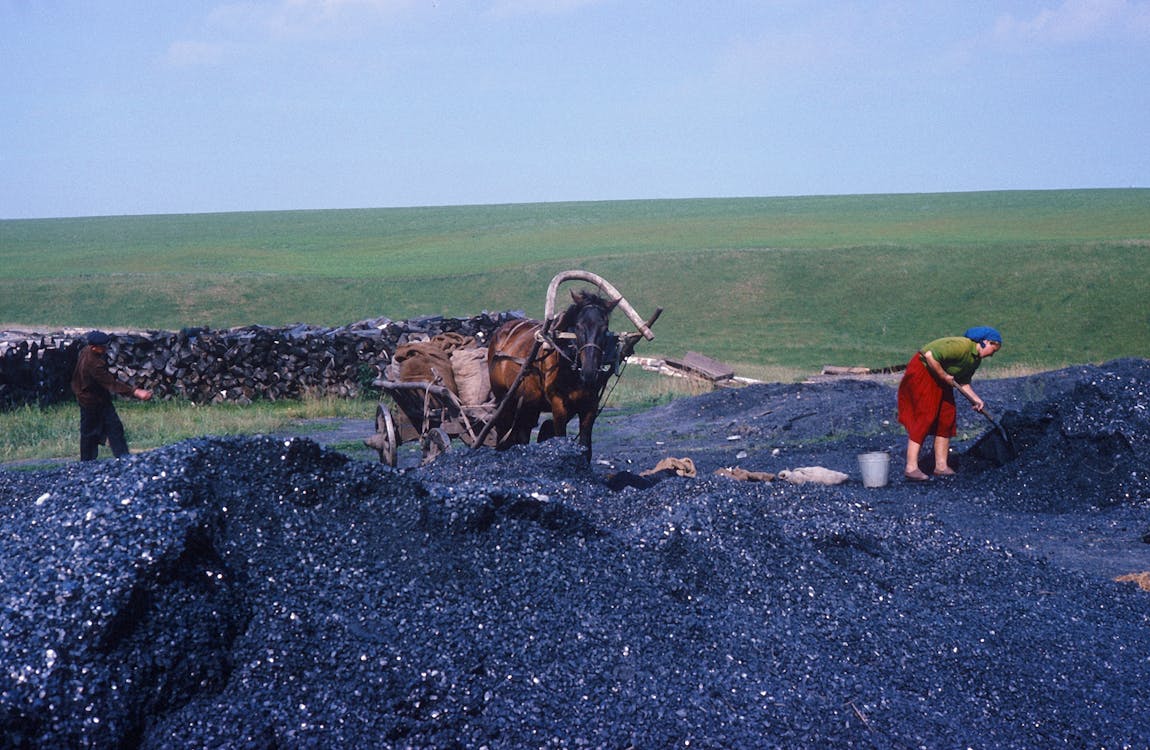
813 474
425 362
450 342
743 475
683 467
471 375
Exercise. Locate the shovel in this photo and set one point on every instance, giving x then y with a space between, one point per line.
995 445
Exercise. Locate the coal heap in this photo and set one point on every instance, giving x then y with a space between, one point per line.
262 592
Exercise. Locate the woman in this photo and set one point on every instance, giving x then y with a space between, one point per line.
926 393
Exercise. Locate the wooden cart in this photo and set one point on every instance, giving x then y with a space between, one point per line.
433 414
428 413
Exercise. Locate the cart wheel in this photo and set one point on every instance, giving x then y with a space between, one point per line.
435 442
385 440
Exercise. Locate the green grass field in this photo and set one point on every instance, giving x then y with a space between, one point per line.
34 434
776 286
759 282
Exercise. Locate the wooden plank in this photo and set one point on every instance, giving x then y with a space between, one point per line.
712 368
860 370
703 366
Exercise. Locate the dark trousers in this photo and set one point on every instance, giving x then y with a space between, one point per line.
97 424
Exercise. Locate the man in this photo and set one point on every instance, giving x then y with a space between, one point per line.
94 385
926 393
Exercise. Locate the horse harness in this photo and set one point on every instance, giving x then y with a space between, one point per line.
567 352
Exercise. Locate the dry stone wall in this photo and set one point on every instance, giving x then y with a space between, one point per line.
241 365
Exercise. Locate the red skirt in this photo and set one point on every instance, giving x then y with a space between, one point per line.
925 406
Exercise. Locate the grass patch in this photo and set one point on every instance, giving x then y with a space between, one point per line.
638 390
33 433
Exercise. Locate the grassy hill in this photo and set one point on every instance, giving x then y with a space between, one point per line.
792 282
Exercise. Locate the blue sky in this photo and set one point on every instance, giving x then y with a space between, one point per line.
146 106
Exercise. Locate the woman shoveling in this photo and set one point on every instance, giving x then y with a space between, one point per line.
926 393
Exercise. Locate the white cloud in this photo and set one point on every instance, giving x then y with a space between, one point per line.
232 27
303 17
533 7
1077 21
194 53
334 8
837 37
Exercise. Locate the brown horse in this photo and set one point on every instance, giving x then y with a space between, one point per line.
564 375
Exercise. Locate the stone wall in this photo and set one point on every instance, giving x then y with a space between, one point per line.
243 364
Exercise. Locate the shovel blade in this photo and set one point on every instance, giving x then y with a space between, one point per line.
995 446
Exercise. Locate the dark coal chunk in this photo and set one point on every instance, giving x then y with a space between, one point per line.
260 592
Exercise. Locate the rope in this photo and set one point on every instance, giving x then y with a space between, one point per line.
604 398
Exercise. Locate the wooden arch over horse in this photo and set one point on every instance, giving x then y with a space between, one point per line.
557 365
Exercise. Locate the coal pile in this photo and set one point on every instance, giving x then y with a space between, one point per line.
261 592
1086 448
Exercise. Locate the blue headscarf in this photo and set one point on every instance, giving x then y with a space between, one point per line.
983 333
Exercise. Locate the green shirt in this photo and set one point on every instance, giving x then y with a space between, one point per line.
958 355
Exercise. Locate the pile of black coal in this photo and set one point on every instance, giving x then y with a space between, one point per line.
260 592
1085 447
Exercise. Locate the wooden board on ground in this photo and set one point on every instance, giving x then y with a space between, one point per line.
703 366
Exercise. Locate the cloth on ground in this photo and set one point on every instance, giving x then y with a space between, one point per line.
744 475
1142 579
813 474
665 469
621 479
683 467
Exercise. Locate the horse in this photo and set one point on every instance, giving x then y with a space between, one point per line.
563 375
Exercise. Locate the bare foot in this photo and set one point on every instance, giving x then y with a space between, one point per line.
916 476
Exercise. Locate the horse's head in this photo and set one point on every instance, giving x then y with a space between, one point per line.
587 318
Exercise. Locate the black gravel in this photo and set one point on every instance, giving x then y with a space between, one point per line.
257 592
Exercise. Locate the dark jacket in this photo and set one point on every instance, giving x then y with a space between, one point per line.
93 383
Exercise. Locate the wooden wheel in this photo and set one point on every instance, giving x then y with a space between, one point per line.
385 439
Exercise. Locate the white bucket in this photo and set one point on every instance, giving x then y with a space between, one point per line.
875 468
